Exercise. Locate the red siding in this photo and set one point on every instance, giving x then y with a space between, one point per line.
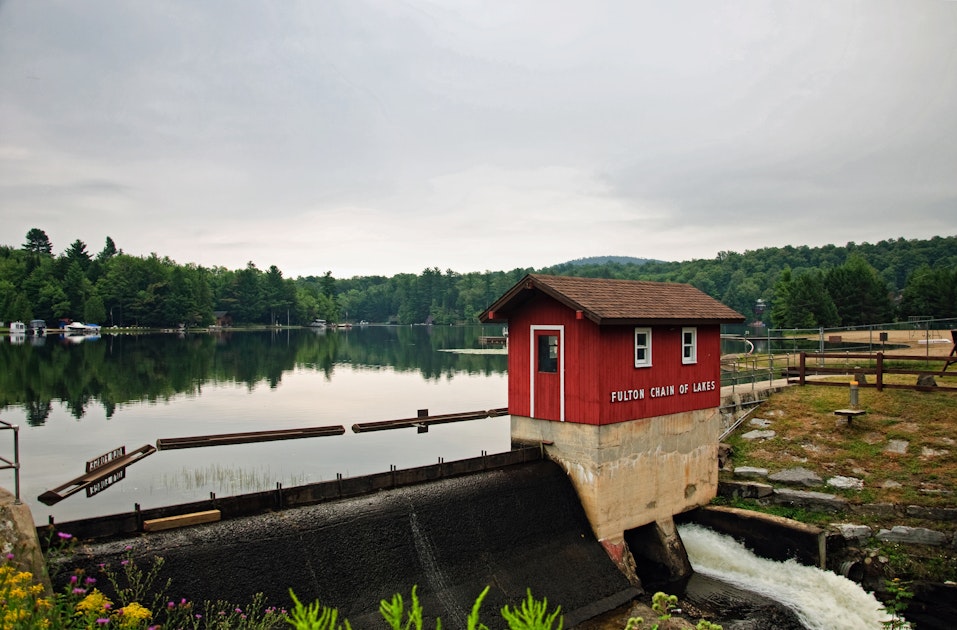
668 385
600 360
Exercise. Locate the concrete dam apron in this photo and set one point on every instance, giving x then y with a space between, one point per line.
512 529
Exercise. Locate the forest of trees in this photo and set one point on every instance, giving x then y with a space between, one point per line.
801 287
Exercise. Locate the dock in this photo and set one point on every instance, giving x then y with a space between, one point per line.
101 473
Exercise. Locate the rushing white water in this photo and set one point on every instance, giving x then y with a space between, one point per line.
822 600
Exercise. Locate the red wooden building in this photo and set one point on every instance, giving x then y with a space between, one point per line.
620 382
599 351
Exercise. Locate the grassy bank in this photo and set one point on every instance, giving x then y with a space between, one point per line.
904 450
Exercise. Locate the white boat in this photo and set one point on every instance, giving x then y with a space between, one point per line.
18 328
81 327
317 323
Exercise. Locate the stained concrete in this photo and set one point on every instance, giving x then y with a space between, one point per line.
515 528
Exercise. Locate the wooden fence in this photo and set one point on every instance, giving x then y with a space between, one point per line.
869 364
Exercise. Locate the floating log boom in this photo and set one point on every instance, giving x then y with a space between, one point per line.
165 444
426 420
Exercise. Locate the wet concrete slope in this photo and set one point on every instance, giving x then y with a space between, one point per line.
512 528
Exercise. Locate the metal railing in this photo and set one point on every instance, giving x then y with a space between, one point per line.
15 464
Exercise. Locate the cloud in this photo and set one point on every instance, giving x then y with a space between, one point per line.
369 138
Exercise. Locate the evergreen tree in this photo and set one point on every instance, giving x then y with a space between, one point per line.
802 301
859 293
930 292
108 251
38 243
76 253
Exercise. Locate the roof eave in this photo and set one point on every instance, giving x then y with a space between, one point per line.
665 321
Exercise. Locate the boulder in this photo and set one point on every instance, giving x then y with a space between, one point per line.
855 533
846 483
751 472
744 489
913 535
897 447
758 435
813 500
797 477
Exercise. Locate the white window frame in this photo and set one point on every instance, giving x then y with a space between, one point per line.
646 362
689 351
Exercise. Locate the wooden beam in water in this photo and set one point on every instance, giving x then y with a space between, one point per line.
384 425
111 467
165 444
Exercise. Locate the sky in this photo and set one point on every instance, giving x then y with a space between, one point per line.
377 138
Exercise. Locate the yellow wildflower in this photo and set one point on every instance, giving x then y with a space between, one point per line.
95 602
133 615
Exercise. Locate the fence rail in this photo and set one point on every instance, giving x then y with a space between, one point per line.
875 366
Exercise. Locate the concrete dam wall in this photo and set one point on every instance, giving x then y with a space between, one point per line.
511 529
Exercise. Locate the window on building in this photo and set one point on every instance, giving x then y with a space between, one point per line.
689 345
642 347
548 353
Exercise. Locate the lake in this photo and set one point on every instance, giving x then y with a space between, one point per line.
75 399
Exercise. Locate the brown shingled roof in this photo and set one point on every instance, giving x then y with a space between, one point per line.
606 301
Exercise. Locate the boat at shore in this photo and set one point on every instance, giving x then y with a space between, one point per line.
317 323
82 328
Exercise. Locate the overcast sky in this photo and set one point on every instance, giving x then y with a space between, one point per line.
384 137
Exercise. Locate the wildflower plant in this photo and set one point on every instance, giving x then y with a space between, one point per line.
25 604
132 584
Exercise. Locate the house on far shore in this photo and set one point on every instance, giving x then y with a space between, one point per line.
223 319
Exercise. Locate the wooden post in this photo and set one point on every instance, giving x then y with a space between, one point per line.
880 371
801 367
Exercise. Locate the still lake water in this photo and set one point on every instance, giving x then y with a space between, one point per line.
76 400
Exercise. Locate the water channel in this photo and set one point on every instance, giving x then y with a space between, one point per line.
77 398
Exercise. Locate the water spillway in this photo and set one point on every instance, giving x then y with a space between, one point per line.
821 600
515 528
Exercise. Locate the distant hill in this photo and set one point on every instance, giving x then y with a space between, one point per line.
603 260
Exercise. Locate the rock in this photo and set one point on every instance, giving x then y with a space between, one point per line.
846 483
860 377
931 452
890 484
882 510
814 500
751 472
744 489
897 447
857 533
797 476
724 455
926 380
912 535
932 513
759 422
758 435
